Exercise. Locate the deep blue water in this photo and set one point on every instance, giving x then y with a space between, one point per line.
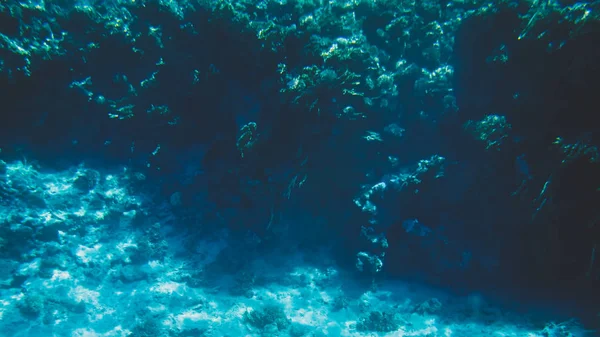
299 168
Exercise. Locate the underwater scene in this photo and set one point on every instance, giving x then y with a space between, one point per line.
299 168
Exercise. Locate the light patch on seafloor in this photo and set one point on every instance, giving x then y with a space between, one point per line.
30 268
80 212
283 297
158 308
426 332
168 288
309 317
46 216
81 294
129 243
57 188
116 193
3 305
87 254
117 331
213 305
155 264
52 217
325 297
57 276
99 215
238 311
21 167
194 317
